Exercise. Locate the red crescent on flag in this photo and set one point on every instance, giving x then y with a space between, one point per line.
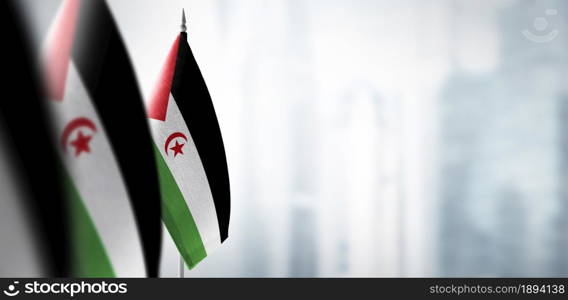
74 124
171 138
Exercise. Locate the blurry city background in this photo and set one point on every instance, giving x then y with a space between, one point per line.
376 138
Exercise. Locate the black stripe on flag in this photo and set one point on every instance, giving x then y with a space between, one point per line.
104 66
25 121
194 102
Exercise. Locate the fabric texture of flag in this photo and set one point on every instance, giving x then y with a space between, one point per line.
104 143
191 158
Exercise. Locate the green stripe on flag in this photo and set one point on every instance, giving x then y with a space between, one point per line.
89 257
177 217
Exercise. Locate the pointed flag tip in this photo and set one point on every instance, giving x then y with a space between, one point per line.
183 21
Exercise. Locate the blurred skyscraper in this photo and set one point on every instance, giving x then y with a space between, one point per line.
499 154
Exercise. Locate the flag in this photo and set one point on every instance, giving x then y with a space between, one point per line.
191 157
104 144
33 238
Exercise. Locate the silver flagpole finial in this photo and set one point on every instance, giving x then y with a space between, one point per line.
183 21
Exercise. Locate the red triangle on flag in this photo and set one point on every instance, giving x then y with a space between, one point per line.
158 105
57 53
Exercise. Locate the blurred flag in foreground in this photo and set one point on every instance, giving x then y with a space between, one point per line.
191 157
104 143
32 224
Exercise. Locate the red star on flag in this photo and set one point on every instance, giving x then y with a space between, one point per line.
81 144
177 148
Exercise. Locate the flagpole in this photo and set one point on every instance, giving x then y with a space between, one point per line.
181 262
181 267
183 21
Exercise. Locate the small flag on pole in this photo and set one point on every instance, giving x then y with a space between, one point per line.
191 158
104 143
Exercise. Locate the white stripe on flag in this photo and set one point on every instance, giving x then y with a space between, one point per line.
189 174
98 180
